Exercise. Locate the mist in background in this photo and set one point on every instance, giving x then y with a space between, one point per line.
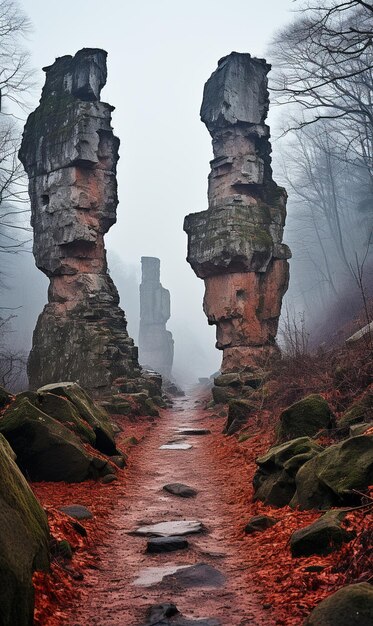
160 54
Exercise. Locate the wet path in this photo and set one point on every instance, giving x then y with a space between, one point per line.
127 582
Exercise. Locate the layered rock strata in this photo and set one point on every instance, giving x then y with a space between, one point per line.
236 245
156 346
70 154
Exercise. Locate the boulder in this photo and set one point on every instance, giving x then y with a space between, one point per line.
24 542
238 413
360 411
349 606
330 478
274 481
62 410
91 412
222 395
259 523
321 537
45 448
305 418
5 397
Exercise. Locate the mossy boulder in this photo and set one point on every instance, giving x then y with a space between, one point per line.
321 537
5 397
239 412
222 395
274 481
64 412
331 478
45 448
228 380
24 542
91 412
305 418
360 411
349 606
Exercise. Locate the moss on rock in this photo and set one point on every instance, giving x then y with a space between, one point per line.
305 418
24 542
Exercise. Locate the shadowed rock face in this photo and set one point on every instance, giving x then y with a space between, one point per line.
70 154
156 346
236 245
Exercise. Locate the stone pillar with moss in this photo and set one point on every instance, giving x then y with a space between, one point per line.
70 154
236 245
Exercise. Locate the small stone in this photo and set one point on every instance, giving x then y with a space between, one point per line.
118 460
77 511
109 478
259 523
321 537
157 545
178 489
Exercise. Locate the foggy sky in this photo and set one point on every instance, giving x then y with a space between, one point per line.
160 54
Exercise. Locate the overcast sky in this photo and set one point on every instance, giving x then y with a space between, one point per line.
160 54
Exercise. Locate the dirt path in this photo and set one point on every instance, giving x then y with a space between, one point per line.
114 598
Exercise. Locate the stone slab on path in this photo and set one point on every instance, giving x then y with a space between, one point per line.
170 529
181 490
199 575
194 431
168 615
176 446
156 545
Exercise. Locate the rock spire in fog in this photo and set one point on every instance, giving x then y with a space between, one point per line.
156 346
236 245
70 154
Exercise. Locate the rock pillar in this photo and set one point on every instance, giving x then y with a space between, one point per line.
70 154
156 346
236 245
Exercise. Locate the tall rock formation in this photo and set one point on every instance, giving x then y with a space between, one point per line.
156 346
70 154
236 245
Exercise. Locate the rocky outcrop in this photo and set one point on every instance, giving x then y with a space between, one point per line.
156 346
305 418
70 154
24 542
56 432
236 245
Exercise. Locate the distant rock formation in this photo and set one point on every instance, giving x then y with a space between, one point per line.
70 154
156 346
236 245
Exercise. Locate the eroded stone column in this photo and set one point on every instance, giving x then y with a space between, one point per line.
156 346
236 245
70 154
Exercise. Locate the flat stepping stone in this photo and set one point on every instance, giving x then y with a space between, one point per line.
176 446
200 575
167 614
156 545
154 575
170 529
77 511
178 489
194 431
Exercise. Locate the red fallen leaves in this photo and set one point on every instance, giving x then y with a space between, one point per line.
283 582
57 591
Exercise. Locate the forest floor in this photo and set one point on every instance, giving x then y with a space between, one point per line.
263 584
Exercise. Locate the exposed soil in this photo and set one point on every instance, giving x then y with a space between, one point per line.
109 596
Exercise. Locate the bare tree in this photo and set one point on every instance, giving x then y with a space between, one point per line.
323 63
15 83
